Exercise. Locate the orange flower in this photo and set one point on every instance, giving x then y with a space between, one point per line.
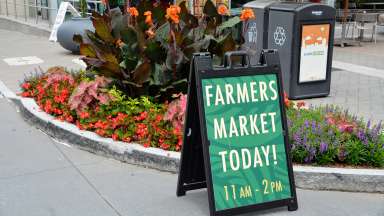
133 11
173 13
247 14
148 17
222 10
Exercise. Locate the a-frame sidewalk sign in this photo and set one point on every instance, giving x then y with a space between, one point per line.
236 136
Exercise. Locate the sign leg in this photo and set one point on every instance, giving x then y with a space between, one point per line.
292 206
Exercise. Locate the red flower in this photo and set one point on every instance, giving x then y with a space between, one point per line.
101 125
159 118
25 94
142 116
127 139
26 85
69 118
115 137
57 111
78 125
48 106
100 132
164 146
141 130
147 144
40 89
84 115
286 100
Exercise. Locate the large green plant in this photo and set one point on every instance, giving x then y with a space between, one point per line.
148 51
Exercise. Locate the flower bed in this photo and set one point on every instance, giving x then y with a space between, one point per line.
318 135
328 135
134 86
96 105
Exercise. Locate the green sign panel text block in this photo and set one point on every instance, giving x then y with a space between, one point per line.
244 128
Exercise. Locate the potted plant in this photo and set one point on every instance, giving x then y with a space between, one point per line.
76 25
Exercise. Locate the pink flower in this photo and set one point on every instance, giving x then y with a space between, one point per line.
176 112
346 127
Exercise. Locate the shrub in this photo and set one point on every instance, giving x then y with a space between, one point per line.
147 50
328 135
102 108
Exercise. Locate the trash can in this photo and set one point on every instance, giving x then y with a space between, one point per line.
256 35
303 35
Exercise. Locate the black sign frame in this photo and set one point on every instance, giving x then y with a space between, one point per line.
196 144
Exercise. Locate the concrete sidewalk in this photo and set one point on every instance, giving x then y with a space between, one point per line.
40 177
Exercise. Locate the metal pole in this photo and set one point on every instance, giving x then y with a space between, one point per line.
344 21
15 8
25 10
36 11
6 7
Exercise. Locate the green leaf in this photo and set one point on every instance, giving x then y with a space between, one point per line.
87 50
95 62
158 14
155 52
109 57
230 23
159 77
162 33
210 9
128 35
142 72
102 25
228 44
189 20
174 57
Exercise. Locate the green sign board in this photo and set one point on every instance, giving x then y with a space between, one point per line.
243 134
247 151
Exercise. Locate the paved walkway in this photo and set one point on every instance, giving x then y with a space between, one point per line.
361 94
40 177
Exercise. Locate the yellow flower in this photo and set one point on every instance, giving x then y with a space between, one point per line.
173 13
247 14
222 10
133 11
148 17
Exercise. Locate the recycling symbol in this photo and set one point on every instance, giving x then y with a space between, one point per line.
279 36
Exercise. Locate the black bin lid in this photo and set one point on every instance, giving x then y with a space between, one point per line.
260 4
306 10
290 6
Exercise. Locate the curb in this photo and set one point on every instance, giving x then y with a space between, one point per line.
11 24
132 153
306 177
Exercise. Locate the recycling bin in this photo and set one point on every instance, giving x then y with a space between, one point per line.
303 35
256 34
